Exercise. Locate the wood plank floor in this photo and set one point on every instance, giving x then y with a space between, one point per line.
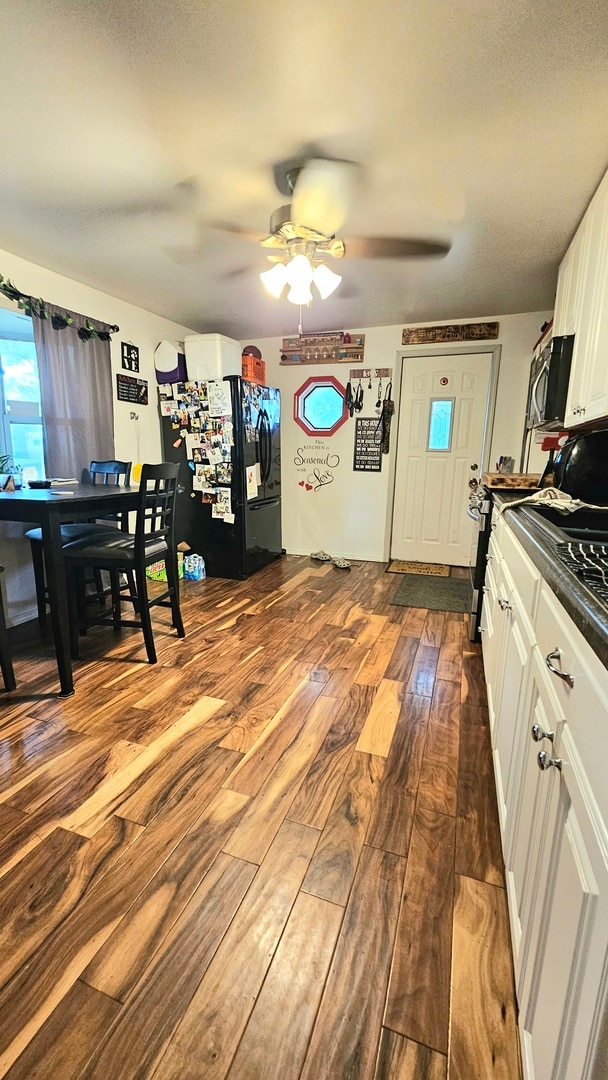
272 856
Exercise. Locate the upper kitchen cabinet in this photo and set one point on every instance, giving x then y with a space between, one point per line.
581 309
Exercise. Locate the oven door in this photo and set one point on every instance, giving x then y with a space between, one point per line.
479 551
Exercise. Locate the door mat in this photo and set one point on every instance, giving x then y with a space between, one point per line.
434 594
402 566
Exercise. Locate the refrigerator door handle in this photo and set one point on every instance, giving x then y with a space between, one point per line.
264 444
268 446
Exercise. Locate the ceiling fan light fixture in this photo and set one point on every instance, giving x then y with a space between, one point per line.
325 280
275 279
300 294
299 271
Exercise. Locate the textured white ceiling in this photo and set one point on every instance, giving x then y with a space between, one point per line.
485 121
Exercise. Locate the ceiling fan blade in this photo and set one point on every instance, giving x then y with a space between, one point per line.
392 247
238 230
322 194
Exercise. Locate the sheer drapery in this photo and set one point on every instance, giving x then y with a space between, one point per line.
76 396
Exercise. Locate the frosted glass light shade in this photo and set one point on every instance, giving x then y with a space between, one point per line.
275 279
325 280
299 271
300 293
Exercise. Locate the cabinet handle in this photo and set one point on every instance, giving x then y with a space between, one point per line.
539 733
488 557
545 761
503 604
565 675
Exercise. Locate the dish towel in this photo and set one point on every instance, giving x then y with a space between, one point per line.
559 500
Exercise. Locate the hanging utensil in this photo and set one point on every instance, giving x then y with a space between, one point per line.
359 398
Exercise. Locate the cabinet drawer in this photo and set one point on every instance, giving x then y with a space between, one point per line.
526 578
498 526
584 704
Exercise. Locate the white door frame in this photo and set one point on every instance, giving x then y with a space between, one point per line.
416 351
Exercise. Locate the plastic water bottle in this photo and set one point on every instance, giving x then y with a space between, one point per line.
194 567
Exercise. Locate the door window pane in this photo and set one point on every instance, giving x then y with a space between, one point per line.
440 424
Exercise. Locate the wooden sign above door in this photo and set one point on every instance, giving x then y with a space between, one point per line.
430 335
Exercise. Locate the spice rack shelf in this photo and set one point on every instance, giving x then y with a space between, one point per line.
331 348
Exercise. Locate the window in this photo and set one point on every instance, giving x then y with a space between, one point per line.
319 405
440 424
20 413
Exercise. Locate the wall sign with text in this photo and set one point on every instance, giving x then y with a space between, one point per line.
128 388
316 463
129 355
368 445
431 335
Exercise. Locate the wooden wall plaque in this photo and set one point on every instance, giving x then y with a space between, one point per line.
430 335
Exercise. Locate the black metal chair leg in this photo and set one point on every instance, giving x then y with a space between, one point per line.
38 565
173 584
116 598
144 613
6 662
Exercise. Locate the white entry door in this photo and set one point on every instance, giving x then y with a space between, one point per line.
441 424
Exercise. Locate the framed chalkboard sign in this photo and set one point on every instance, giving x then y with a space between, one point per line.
368 445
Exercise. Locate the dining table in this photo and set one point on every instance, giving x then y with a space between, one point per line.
50 508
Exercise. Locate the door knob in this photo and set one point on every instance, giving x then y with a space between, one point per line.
539 733
545 761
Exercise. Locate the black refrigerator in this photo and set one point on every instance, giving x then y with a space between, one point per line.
226 437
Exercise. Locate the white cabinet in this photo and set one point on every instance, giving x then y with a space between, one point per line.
564 993
580 309
553 820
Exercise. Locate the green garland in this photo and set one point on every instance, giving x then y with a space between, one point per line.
35 306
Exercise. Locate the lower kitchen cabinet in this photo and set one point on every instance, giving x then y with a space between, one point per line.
554 835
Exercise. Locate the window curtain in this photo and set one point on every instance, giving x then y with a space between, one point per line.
76 396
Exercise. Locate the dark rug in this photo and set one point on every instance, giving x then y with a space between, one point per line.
433 593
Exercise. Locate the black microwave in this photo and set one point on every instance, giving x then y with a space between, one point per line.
548 386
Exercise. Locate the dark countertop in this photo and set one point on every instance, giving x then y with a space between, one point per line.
538 538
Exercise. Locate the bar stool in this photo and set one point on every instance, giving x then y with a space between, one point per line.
6 663
103 472
130 554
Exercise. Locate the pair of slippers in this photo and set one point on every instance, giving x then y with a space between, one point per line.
322 556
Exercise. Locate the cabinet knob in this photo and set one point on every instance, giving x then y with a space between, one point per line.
539 733
545 761
565 675
503 604
488 557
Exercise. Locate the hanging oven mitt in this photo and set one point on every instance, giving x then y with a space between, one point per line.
388 408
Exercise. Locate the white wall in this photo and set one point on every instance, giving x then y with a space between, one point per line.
351 516
134 440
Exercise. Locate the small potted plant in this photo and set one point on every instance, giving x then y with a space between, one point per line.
4 469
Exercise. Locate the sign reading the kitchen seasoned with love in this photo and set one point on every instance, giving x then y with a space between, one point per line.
316 464
430 335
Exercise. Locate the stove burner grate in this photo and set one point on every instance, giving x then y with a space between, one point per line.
589 561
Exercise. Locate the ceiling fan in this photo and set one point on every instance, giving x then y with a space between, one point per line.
302 236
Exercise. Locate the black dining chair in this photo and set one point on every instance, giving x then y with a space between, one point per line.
6 662
130 554
99 472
